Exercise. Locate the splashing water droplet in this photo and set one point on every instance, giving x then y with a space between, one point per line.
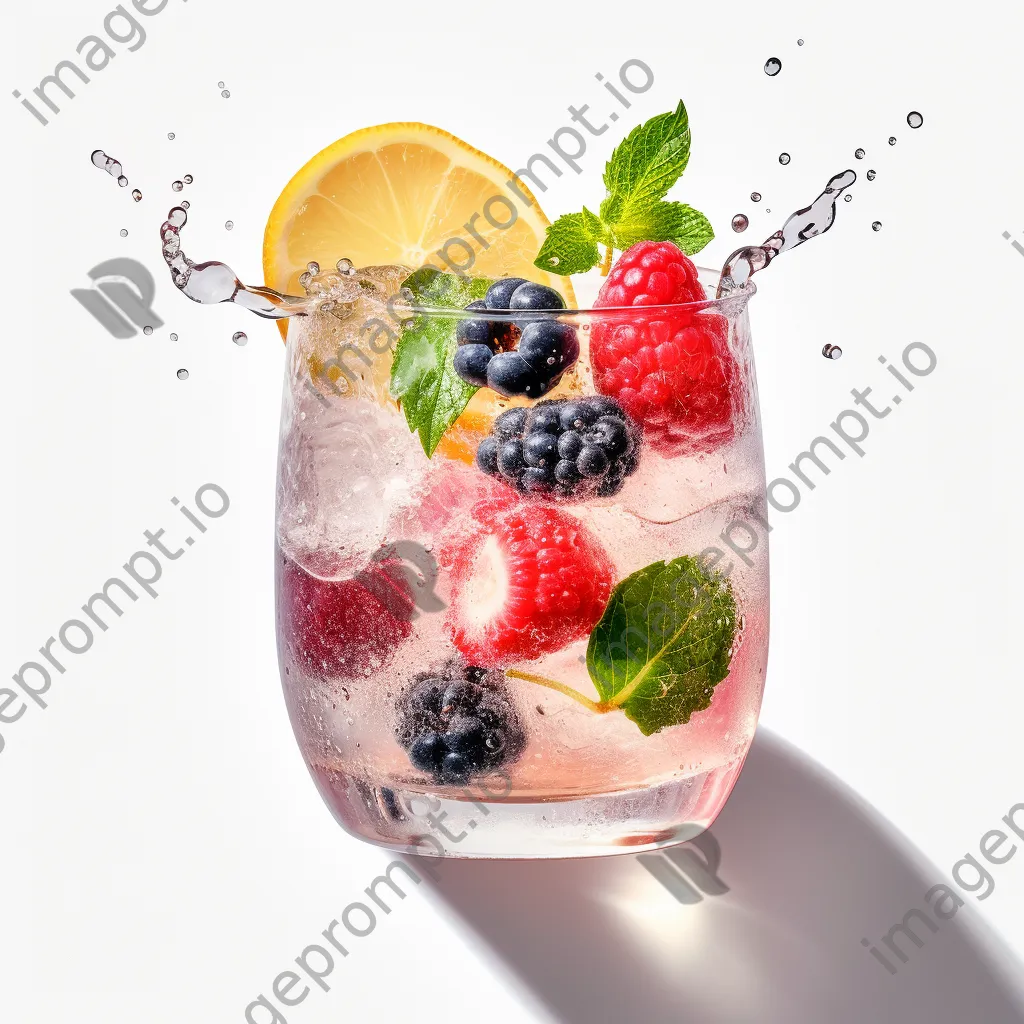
177 186
876 225
170 135
799 42
848 199
892 140
226 94
122 181
859 154
772 66
147 330
553 261
124 232
184 204
229 224
220 85
784 158
755 197
870 175
187 179
239 337
914 119
183 374
137 195
767 209
832 352
174 337
740 222
313 268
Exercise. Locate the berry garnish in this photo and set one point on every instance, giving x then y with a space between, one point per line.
344 627
458 722
526 357
672 370
527 579
571 448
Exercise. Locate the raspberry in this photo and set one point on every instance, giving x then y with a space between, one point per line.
671 370
343 627
527 581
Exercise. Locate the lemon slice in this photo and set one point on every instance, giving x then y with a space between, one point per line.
406 194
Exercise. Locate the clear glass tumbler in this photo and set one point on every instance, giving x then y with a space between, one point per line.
489 652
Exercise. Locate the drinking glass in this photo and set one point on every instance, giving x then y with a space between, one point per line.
448 697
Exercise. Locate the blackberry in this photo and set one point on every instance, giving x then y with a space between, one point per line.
458 722
573 448
522 357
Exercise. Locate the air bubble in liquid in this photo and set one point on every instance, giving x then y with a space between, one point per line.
876 225
740 222
124 232
183 374
187 179
870 175
831 351
177 186
784 158
137 195
239 337
914 119
859 154
755 197
892 140
147 330
229 224
772 66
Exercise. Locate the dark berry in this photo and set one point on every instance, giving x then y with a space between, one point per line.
592 461
570 444
548 346
510 458
459 722
530 296
566 472
543 418
487 455
576 415
611 434
500 293
472 362
509 374
536 478
510 423
540 449
475 332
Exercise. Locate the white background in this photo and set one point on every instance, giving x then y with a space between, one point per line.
163 854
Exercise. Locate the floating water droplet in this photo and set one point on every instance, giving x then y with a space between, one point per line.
755 197
553 261
767 209
184 204
239 337
229 224
124 232
832 352
137 195
313 268
876 225
799 42
859 154
177 186
772 66
170 135
870 175
740 222
122 181
187 179
147 330
183 374
174 337
914 119
226 94
892 140
848 199
784 158
220 85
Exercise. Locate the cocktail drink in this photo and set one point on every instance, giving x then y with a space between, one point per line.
521 546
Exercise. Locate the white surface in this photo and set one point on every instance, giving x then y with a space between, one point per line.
163 854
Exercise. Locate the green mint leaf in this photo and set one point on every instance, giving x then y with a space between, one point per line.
570 246
664 643
663 221
645 165
431 394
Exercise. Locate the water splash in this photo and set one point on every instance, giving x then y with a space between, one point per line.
187 179
876 225
871 175
228 225
772 66
784 158
914 119
807 223
124 232
174 337
239 337
137 195
176 186
182 374
832 352
147 330
740 222
755 197
109 164
224 92
170 135
859 154
892 140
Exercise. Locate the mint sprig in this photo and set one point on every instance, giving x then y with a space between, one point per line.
423 380
644 166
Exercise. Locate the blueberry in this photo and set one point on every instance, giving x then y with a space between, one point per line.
499 294
476 304
460 697
535 296
592 461
540 449
455 768
570 444
471 363
537 479
548 346
487 455
510 458
576 415
509 374
566 472
610 434
602 405
465 734
543 418
426 751
475 332
511 423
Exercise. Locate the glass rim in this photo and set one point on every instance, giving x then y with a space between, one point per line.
732 304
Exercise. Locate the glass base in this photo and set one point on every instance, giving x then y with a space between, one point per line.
480 822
